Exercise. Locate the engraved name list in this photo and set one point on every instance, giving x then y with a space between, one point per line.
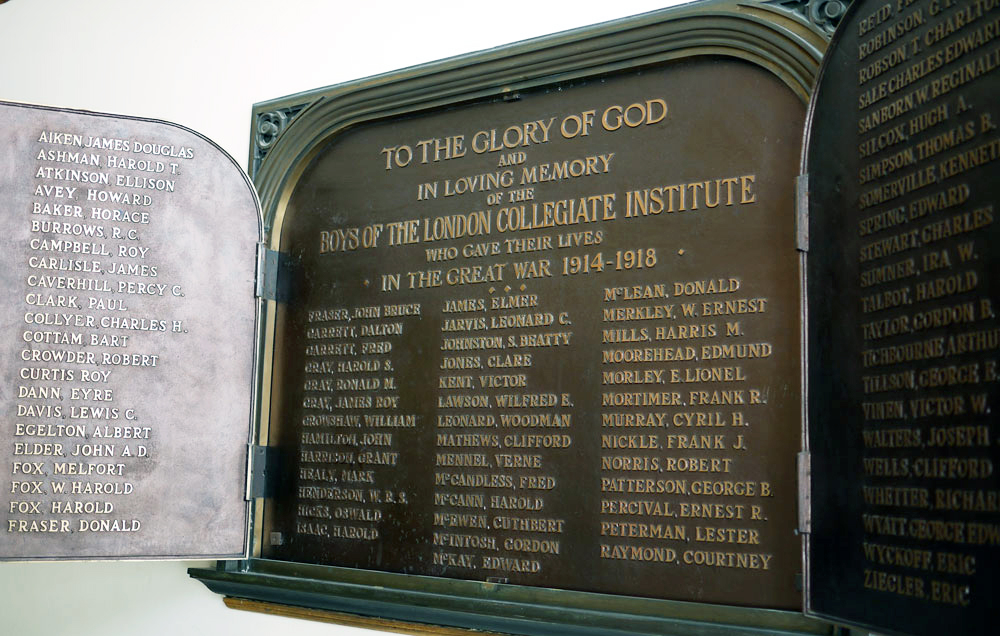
106 286
523 359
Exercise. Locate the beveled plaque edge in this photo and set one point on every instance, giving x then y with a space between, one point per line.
483 606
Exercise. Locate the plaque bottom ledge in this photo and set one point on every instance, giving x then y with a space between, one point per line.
535 611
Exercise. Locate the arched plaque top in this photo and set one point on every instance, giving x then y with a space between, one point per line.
776 36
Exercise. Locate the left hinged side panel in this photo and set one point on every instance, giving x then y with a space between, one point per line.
128 339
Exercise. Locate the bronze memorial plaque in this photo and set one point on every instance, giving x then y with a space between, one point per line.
551 340
903 295
127 338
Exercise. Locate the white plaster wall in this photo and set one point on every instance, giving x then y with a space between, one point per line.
202 64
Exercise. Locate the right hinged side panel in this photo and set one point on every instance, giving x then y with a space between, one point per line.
903 334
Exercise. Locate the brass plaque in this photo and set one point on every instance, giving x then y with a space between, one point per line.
550 341
126 336
903 330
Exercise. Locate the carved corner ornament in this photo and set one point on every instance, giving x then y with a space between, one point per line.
825 14
268 128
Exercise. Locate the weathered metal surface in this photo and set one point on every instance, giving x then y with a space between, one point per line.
903 334
126 340
551 341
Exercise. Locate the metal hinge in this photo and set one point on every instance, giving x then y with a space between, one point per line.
805 494
802 212
263 472
268 274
